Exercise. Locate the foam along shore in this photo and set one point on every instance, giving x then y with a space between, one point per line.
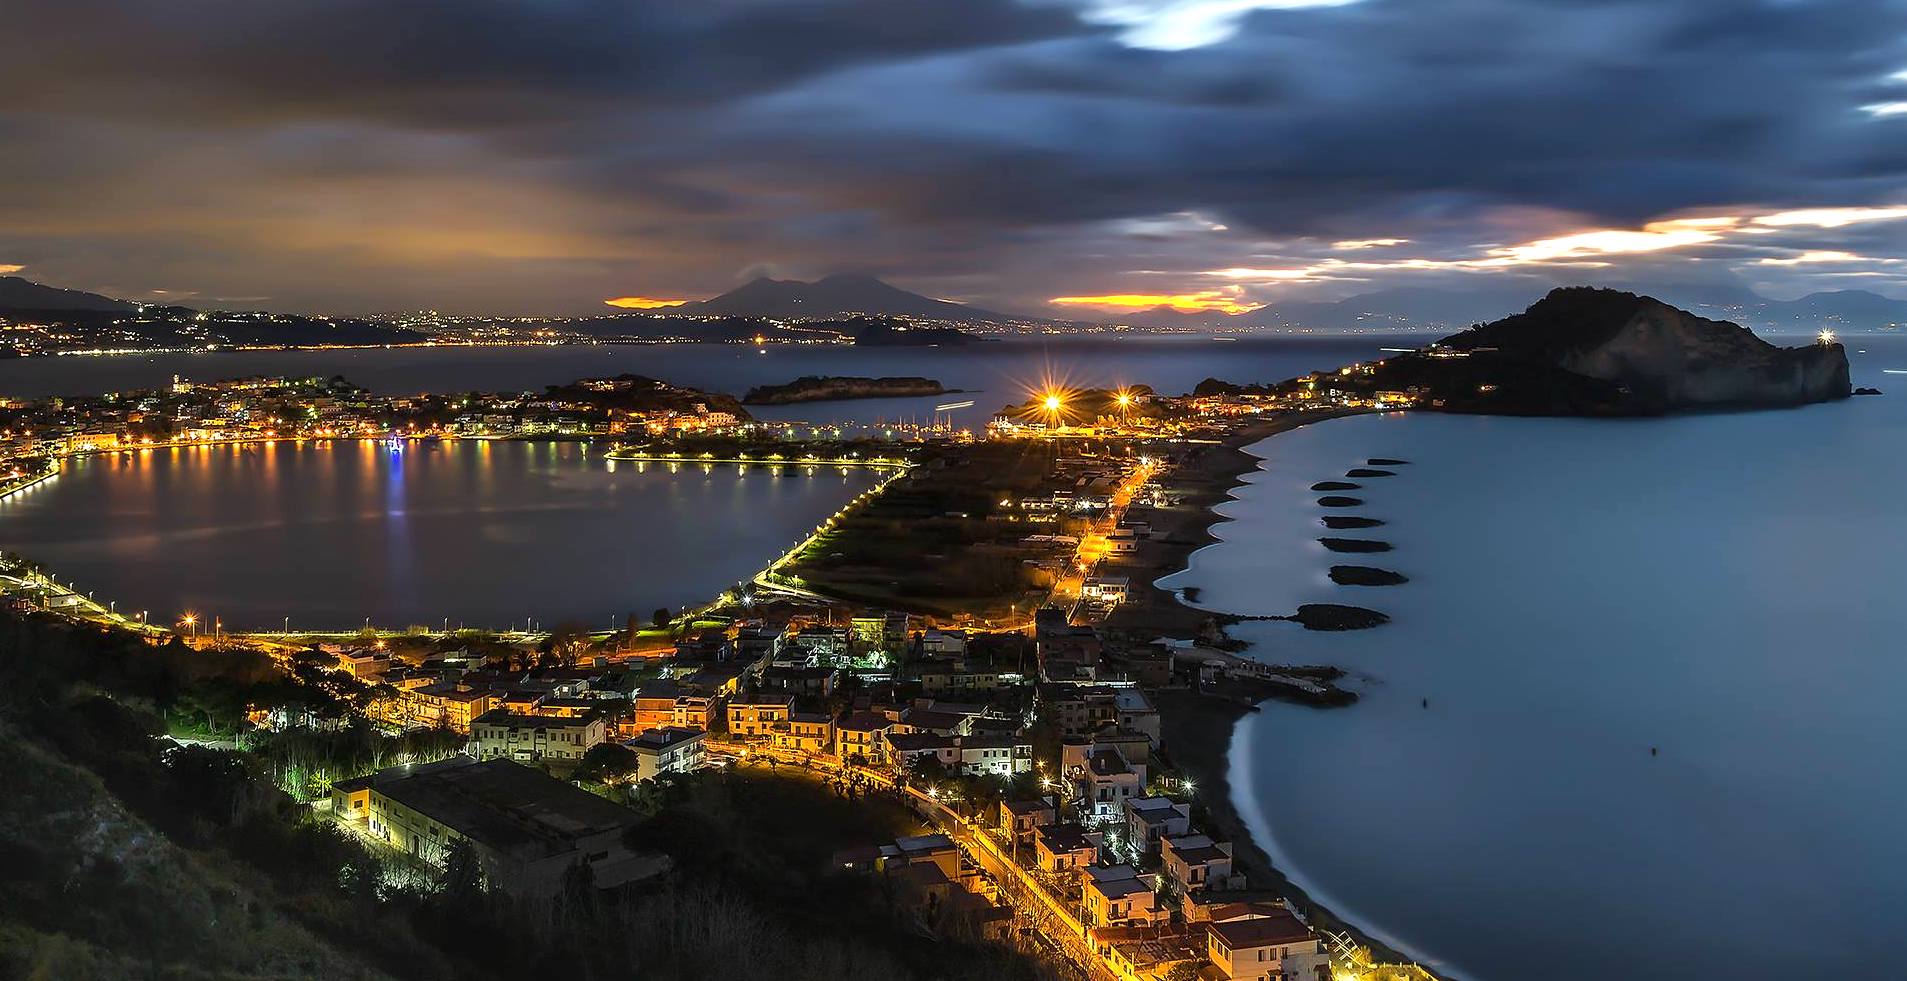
1198 724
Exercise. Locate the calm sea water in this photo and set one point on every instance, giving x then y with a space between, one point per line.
991 374
482 533
1725 589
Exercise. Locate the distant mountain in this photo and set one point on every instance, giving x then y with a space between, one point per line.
1400 308
834 296
1430 308
21 294
1167 318
1836 310
82 321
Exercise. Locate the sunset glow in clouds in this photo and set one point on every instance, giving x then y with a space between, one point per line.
642 303
1208 301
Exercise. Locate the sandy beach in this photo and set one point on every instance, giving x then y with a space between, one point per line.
1198 726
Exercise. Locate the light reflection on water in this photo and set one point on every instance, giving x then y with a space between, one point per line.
482 533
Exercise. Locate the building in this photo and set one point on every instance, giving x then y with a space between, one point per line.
936 849
943 643
1106 589
1195 862
1062 847
434 705
527 829
1149 952
906 750
995 756
1103 784
530 738
1116 896
1149 819
805 732
941 679
1020 818
653 707
863 735
1264 948
982 755
667 749
751 719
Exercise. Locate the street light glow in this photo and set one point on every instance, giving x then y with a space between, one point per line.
1052 403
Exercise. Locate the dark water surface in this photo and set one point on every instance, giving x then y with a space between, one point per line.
1726 589
991 374
481 533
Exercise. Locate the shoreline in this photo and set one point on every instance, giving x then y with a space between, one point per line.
1198 727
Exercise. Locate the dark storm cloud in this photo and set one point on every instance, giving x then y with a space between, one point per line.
465 62
541 154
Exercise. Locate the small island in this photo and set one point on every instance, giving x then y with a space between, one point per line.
1338 522
1364 575
830 388
1354 545
1335 616
1336 501
1334 485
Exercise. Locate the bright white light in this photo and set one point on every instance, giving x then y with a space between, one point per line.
1175 25
1885 109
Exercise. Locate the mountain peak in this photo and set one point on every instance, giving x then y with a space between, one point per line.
838 295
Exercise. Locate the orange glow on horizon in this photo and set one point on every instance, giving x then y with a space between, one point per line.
1208 301
642 303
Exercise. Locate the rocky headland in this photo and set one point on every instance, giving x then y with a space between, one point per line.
1582 351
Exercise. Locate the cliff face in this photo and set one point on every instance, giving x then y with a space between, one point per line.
1658 358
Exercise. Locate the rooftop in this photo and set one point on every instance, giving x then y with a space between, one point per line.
499 804
516 720
664 737
1118 888
1282 928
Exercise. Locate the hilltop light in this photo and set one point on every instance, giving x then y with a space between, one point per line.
1825 337
1125 399
1052 403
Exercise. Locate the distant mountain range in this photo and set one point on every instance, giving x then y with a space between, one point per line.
833 296
1411 307
18 294
91 321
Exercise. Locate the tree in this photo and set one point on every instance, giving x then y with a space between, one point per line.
567 642
606 764
660 618
461 883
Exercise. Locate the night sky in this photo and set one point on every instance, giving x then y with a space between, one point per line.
541 156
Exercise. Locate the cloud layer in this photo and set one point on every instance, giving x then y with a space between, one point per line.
537 157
